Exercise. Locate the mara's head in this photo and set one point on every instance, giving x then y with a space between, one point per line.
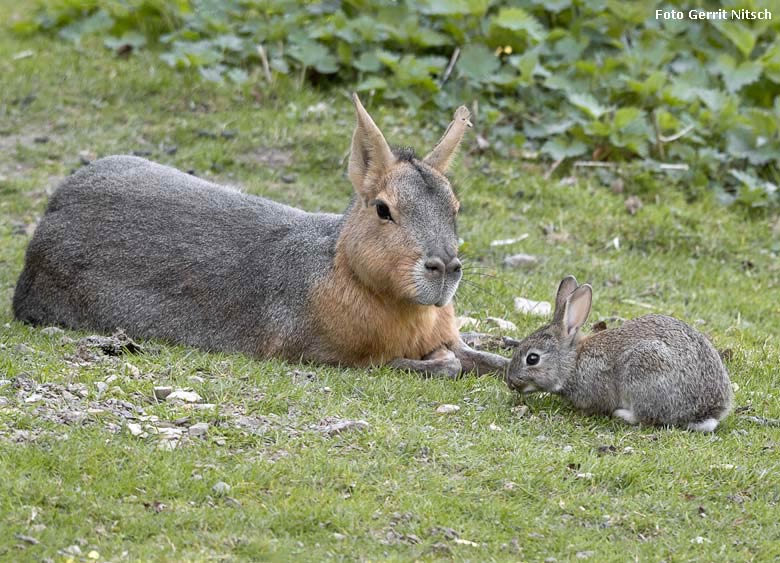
546 359
400 235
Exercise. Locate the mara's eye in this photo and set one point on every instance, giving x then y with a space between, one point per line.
383 211
532 359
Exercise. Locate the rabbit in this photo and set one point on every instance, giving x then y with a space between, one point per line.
129 243
653 370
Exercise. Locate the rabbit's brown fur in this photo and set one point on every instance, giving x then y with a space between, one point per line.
651 370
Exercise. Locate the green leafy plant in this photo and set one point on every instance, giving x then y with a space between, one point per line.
570 80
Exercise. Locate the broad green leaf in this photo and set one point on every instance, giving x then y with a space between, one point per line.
229 42
554 6
736 76
237 75
650 86
771 62
587 103
425 37
412 72
739 34
624 117
371 83
367 62
314 55
212 73
561 147
534 131
388 58
477 62
452 7
517 19
131 38
98 22
526 64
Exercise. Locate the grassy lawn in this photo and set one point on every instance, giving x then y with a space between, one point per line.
493 481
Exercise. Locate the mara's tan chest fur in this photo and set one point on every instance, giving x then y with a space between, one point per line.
360 327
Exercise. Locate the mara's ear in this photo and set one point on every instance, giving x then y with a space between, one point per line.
577 309
566 288
441 155
370 156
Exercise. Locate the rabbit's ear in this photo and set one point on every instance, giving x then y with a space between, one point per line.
566 288
577 309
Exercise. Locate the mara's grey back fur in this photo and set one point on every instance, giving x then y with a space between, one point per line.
136 228
127 243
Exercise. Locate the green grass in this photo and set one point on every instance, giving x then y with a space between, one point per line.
524 488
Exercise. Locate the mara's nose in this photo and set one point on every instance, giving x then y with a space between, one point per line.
436 266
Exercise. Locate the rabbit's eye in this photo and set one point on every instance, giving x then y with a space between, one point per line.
532 359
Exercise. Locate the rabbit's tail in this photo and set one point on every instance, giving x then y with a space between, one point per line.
706 425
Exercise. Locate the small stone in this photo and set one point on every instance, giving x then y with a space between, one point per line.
52 331
586 476
345 426
197 477
633 204
199 429
520 261
519 411
584 554
461 541
131 370
568 448
111 378
466 321
162 393
135 429
195 379
230 501
494 427
186 396
101 387
4 382
510 486
220 488
94 555
508 241
531 307
503 324
33 398
73 550
201 406
24 349
447 409
628 450
339 536
289 178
